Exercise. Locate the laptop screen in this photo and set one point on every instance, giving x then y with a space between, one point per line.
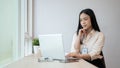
51 46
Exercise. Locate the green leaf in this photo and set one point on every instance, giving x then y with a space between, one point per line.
35 42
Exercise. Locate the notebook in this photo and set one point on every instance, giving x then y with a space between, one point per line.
51 46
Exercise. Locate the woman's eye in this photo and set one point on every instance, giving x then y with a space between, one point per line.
85 18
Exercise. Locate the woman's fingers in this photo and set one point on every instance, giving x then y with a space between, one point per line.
82 32
69 55
73 54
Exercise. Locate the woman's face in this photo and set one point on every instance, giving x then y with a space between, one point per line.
85 21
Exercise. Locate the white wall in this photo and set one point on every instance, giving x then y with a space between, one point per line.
61 16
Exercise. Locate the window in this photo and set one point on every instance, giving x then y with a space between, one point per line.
15 30
9 31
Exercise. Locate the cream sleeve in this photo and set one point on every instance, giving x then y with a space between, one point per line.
73 42
97 48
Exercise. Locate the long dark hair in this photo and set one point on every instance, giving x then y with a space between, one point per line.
92 17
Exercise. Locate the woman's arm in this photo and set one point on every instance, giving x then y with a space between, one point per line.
78 40
77 44
85 56
97 48
79 56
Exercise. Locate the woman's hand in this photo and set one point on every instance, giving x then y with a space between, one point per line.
82 32
73 54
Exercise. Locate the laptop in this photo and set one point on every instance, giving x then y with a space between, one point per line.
51 46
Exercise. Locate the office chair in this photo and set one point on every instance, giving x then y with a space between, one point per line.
99 62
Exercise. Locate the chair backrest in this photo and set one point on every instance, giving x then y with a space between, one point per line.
103 60
100 63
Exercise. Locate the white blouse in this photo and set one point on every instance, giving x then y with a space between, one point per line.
94 42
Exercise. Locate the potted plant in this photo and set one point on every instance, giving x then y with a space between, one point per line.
35 43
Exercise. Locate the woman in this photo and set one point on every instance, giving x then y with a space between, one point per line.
88 41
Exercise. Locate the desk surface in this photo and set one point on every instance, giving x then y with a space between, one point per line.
32 62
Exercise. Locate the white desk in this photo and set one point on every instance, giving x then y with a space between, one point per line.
32 62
